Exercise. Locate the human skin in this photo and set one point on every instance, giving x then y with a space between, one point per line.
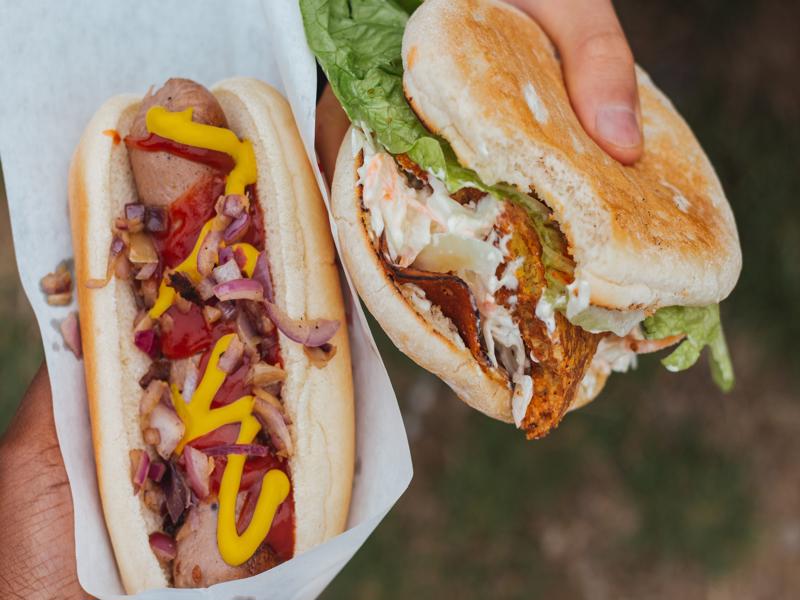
37 552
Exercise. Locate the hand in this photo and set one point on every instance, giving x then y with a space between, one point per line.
598 70
38 550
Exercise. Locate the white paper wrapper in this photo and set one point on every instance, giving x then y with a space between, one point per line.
61 61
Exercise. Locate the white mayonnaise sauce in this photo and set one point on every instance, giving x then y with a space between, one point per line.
429 230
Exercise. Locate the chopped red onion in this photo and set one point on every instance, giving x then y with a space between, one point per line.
157 470
71 332
198 471
142 469
135 212
314 332
207 255
234 205
232 357
228 270
155 219
225 254
228 309
147 341
274 424
262 275
236 230
163 546
170 429
239 289
147 271
143 322
248 449
240 257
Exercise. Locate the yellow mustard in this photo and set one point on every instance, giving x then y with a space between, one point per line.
179 127
199 419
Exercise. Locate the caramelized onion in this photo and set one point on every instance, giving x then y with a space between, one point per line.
58 282
245 330
147 271
152 395
274 424
262 373
117 246
176 492
198 471
232 357
207 255
140 463
142 250
170 429
313 332
320 355
206 288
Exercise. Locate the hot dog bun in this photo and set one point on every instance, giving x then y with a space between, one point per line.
319 401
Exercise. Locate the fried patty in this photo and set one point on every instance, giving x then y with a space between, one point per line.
561 358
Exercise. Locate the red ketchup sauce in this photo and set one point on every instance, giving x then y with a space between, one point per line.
190 334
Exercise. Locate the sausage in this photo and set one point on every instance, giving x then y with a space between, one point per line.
162 177
198 562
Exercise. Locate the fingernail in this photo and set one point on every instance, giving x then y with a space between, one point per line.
617 125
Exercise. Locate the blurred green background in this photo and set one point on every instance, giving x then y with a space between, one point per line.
664 488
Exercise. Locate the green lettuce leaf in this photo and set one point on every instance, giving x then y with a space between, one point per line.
358 44
702 328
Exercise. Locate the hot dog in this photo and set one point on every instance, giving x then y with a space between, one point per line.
214 336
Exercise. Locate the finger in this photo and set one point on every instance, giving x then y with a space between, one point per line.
598 70
38 552
332 124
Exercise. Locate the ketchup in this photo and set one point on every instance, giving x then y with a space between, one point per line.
155 143
190 334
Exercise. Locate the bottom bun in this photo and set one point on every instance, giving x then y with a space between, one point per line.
426 336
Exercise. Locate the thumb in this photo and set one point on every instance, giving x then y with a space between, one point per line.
598 70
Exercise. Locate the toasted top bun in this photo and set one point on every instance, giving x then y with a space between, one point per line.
485 77
319 401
